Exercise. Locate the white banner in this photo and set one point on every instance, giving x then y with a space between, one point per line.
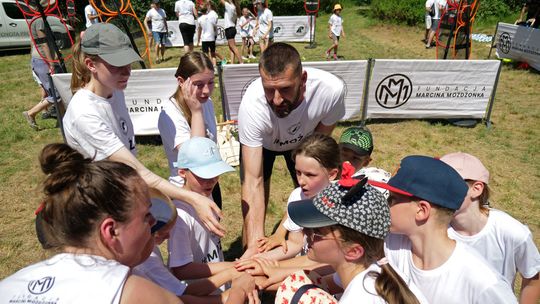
286 29
145 93
519 43
236 78
431 88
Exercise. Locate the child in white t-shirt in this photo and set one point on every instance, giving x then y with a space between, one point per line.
317 163
335 30
246 23
503 241
424 194
195 252
207 31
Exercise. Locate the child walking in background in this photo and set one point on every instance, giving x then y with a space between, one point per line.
246 23
317 163
503 241
335 30
207 31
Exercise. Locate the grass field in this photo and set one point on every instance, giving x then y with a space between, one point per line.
509 149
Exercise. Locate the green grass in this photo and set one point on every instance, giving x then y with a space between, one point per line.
509 149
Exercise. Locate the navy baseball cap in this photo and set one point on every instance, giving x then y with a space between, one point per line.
429 179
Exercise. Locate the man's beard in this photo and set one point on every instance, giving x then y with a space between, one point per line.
286 106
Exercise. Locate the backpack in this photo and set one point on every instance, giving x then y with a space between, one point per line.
432 10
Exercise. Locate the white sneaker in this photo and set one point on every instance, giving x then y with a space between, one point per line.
252 57
244 58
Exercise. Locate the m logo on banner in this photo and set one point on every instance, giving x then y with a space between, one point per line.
393 91
505 43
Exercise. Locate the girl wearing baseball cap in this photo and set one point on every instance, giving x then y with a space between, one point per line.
97 122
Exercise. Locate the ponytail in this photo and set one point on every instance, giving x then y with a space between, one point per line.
391 287
80 73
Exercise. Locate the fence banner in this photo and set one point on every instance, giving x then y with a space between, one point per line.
519 43
286 29
431 88
145 93
236 78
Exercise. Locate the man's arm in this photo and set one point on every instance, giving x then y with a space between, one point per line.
253 206
327 130
530 290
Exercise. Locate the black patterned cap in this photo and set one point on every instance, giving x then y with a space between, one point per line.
360 207
358 139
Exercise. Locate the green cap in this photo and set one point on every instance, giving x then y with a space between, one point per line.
110 44
358 139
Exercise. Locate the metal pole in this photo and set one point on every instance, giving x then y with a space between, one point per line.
366 91
224 104
51 43
492 97
493 40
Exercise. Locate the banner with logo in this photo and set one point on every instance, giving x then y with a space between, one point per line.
519 43
145 94
237 77
286 29
431 88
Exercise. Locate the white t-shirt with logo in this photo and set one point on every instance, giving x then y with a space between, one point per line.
66 278
230 15
90 10
96 126
336 22
184 10
506 244
259 126
174 130
247 30
190 241
158 18
265 17
464 278
154 270
208 25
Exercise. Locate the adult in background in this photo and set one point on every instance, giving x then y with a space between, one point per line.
186 13
529 14
435 7
159 30
278 110
91 15
264 28
427 17
232 10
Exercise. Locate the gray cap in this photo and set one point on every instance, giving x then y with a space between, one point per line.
110 44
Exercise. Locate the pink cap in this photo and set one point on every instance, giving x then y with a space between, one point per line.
468 166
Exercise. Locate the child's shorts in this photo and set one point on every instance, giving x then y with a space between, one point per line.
209 46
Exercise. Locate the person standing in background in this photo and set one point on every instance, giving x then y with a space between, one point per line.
265 25
159 30
186 13
232 10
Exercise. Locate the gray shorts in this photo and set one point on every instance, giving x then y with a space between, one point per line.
434 25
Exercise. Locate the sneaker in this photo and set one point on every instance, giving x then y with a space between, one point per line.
327 55
31 120
158 61
50 113
244 58
428 46
252 57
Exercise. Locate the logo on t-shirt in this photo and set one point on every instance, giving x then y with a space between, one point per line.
41 286
293 129
124 125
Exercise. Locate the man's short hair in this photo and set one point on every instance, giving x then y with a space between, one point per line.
278 57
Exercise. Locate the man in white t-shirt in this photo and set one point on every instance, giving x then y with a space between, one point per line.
91 15
435 7
424 194
278 110
264 28
157 16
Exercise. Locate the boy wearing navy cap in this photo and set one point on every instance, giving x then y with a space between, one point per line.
424 194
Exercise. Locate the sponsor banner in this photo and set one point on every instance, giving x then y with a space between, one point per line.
431 88
145 93
519 43
236 79
286 29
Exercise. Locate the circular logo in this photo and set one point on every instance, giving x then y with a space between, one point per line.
278 30
505 43
41 286
294 128
300 29
393 91
124 125
220 33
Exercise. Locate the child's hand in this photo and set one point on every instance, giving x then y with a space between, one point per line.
250 265
189 91
267 243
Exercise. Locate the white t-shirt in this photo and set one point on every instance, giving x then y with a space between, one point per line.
335 22
154 270
376 174
437 3
265 17
362 288
296 195
158 18
506 244
90 10
464 278
247 30
208 24
175 130
230 15
184 10
259 126
190 241
66 278
96 126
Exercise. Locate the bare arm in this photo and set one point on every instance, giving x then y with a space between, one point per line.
208 285
200 270
148 30
530 290
140 290
270 24
253 205
324 129
206 208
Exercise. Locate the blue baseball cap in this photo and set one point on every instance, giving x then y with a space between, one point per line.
201 156
429 179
